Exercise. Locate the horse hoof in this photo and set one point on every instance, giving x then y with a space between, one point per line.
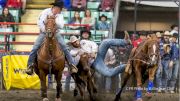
139 99
58 99
75 93
117 99
45 99
148 94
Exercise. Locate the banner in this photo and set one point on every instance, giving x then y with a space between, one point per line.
14 73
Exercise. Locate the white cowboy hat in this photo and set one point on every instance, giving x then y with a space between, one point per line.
73 39
167 33
158 34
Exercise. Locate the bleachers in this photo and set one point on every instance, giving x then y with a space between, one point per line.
97 35
16 14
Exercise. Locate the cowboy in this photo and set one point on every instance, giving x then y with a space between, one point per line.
166 37
103 25
85 35
54 11
174 63
174 29
79 47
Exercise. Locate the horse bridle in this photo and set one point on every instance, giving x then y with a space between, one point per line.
145 55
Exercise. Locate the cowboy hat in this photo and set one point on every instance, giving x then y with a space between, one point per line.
175 35
167 33
102 17
59 4
85 31
158 34
73 39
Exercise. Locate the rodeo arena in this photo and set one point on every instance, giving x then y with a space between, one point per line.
89 50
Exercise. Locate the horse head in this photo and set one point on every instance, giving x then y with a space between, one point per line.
50 26
153 52
84 60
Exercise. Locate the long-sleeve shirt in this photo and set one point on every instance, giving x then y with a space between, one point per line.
174 51
107 4
103 26
89 46
161 48
43 17
90 21
137 42
86 46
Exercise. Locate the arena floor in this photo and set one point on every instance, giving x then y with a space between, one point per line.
34 95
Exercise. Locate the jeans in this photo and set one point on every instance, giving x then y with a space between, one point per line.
67 83
163 77
99 64
174 74
38 43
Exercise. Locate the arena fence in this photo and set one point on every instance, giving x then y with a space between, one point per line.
9 52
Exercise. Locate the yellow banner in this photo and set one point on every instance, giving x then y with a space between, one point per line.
14 73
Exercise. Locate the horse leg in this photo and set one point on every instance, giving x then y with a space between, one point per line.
58 87
82 90
75 91
42 77
91 79
91 88
150 83
139 83
126 78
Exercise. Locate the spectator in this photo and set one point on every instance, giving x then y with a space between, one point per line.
79 4
174 29
75 20
2 3
103 25
67 3
174 63
88 19
14 4
134 37
166 37
6 17
163 67
85 35
107 5
142 37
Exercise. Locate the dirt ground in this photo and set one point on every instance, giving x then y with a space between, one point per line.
34 95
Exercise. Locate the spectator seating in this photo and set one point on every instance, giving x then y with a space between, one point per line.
15 13
93 5
2 37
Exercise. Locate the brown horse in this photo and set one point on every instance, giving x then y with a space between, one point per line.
50 59
144 59
84 72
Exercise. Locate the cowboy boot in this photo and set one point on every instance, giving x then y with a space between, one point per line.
29 70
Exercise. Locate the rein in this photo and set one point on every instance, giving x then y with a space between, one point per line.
133 58
146 56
